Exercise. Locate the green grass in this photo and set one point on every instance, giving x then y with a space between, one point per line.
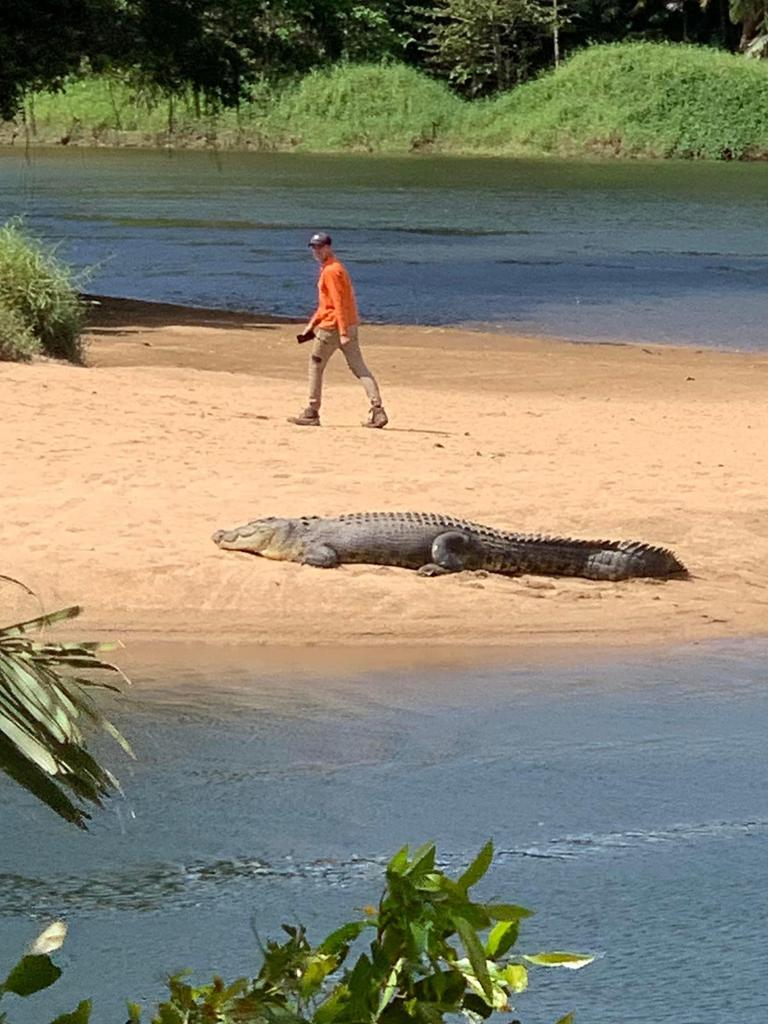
626 99
373 107
40 309
639 99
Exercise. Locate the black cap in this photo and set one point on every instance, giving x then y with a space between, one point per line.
319 238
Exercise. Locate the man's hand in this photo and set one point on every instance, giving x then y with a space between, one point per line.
343 340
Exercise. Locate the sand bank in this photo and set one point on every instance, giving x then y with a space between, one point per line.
116 474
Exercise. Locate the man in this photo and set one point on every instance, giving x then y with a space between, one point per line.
333 326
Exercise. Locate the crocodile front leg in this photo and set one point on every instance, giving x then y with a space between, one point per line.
322 556
451 552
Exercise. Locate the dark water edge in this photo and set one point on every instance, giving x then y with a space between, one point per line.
627 800
664 253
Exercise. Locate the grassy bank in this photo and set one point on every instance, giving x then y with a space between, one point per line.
638 100
643 99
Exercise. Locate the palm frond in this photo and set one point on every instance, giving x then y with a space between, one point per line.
43 708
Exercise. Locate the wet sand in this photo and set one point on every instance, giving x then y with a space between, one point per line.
117 473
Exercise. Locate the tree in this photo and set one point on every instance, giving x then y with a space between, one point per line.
217 48
752 18
485 46
43 41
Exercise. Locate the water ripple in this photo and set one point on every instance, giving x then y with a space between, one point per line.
148 888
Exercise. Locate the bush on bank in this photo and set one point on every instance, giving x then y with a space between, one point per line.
636 99
40 309
373 107
620 99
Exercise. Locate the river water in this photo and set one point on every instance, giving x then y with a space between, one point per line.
628 803
655 252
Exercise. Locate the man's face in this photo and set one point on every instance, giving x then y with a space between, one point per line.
320 252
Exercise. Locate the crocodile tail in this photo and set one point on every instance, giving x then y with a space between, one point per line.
629 559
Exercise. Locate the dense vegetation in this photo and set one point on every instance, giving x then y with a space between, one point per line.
435 953
625 99
40 309
220 50
640 99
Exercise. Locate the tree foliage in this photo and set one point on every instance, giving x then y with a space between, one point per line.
221 49
44 41
484 46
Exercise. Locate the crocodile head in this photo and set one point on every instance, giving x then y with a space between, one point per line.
268 537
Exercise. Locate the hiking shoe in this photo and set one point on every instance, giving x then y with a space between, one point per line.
377 417
309 418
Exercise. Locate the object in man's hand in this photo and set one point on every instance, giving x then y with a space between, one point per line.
305 336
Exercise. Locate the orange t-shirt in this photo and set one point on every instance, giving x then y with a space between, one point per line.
336 307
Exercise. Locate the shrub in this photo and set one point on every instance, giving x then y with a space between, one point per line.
374 107
40 293
634 99
17 340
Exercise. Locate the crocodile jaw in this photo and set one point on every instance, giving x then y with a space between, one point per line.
267 538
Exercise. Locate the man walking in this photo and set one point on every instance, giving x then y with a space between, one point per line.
333 326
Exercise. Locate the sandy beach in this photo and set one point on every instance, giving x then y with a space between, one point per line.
116 475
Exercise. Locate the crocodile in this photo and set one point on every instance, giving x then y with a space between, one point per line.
439 544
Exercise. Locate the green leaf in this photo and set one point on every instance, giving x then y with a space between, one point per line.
31 974
478 867
42 712
79 1016
476 955
390 987
420 934
516 976
41 620
170 1015
501 938
134 1013
573 961
506 911
337 940
329 1011
423 860
317 970
237 988
567 1019
399 862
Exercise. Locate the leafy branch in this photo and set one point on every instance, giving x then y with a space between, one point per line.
43 705
435 953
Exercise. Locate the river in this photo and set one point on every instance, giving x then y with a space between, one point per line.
628 800
628 803
661 252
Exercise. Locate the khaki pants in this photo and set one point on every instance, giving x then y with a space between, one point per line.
323 347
